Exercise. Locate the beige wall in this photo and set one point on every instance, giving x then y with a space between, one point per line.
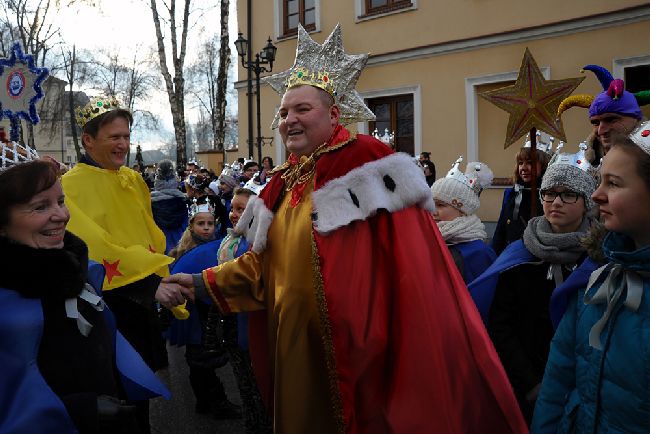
442 78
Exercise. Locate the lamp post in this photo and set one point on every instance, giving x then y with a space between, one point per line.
263 58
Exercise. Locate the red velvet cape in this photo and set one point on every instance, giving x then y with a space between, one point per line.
410 352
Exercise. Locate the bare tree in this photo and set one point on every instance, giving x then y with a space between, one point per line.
222 80
77 71
175 85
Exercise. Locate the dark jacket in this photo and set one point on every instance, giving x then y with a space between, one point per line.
510 227
520 325
77 368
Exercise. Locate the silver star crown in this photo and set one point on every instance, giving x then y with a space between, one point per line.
329 68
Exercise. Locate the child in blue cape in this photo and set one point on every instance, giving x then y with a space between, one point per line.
256 420
528 271
596 379
457 199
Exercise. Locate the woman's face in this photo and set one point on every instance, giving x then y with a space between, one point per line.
39 223
563 217
237 207
445 212
623 197
266 164
203 225
525 170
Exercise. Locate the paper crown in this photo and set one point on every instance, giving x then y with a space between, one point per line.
541 143
476 177
233 170
97 106
255 184
194 209
578 159
572 171
13 153
326 67
462 189
641 136
613 99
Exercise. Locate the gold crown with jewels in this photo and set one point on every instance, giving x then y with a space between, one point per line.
319 79
97 106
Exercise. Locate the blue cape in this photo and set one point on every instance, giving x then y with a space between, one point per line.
189 331
477 257
27 404
483 288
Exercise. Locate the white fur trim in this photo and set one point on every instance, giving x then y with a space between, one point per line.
255 223
369 186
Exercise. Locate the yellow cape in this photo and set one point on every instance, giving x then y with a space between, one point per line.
111 211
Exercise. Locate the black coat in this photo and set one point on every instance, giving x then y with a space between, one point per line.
520 325
511 229
77 368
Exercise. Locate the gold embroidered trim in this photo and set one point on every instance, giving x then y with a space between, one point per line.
304 170
326 331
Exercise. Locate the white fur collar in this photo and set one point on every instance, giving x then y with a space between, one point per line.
392 183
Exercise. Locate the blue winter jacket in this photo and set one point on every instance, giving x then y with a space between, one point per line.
590 390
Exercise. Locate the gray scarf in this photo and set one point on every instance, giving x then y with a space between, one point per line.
462 229
541 241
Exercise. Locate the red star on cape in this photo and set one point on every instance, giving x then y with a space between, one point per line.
532 101
111 269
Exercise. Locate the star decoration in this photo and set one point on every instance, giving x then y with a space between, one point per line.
111 269
343 70
20 88
532 101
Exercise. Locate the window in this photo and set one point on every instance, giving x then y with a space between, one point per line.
298 11
396 114
374 7
637 78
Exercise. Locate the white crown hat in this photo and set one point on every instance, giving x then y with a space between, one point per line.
194 209
572 171
254 185
641 136
544 144
462 189
13 153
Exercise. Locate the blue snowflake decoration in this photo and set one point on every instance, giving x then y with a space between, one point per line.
20 89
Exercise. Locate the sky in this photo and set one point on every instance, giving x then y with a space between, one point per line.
125 24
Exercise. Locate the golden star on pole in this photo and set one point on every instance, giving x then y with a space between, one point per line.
532 101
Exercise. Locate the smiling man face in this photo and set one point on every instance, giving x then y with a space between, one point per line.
308 117
109 146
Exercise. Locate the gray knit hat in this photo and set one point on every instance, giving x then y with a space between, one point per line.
165 176
572 171
462 190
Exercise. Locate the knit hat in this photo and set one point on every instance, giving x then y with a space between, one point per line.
572 171
462 190
641 136
165 176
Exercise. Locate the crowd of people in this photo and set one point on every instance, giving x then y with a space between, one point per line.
350 290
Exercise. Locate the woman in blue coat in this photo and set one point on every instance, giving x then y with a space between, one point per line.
597 377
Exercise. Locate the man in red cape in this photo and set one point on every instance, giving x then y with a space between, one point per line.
369 328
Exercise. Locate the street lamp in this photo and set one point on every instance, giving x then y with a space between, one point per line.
263 58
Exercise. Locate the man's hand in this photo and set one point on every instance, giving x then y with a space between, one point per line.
169 294
184 282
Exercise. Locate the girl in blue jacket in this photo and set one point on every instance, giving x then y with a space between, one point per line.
597 379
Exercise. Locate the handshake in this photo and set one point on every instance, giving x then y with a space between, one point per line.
175 289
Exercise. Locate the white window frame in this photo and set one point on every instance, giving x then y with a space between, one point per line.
619 65
278 19
471 104
416 92
360 11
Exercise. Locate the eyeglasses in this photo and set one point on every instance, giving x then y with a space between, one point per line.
565 196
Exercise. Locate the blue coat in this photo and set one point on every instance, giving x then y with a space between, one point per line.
477 257
589 390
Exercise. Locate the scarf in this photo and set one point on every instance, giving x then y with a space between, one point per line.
542 242
462 229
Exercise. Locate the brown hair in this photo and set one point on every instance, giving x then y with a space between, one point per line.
642 158
19 183
524 154
93 126
241 191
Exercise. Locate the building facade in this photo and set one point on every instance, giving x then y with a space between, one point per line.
429 60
